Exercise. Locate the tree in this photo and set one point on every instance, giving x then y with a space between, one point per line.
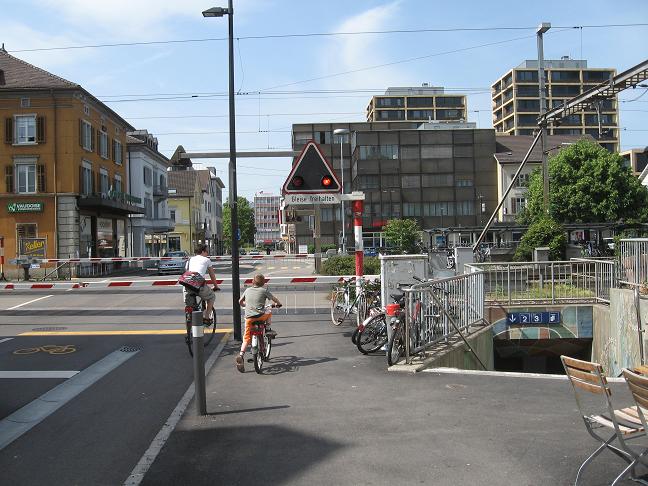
588 184
543 232
403 235
245 222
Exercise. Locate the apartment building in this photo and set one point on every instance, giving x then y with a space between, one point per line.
147 173
424 103
64 163
636 159
516 100
442 175
266 219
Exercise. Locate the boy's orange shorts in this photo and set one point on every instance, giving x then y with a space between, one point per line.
248 324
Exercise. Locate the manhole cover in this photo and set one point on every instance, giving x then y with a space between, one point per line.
49 329
130 349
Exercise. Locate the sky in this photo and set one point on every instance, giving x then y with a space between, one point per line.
300 61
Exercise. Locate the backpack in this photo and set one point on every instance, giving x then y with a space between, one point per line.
192 281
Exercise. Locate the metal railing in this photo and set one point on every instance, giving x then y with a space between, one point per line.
633 261
578 280
436 311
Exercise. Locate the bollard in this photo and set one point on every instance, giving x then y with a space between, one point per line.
197 332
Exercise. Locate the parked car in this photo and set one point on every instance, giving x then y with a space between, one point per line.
242 251
254 252
371 252
176 265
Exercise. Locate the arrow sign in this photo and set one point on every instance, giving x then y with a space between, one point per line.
311 174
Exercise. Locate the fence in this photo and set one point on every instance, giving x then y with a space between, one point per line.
578 280
633 261
438 310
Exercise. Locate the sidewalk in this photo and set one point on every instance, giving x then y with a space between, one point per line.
323 414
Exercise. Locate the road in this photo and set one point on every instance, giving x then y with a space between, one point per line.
89 376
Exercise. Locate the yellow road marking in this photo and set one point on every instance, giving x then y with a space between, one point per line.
111 333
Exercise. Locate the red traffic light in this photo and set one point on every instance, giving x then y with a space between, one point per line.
298 181
327 181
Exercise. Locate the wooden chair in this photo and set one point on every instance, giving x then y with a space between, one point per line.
594 400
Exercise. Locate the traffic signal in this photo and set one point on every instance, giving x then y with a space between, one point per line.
311 174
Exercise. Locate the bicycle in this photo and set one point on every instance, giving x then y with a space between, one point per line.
261 341
342 304
198 304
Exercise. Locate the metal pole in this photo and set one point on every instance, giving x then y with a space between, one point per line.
358 206
236 284
544 27
197 331
342 202
637 303
317 239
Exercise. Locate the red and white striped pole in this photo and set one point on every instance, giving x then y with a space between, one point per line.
359 249
2 275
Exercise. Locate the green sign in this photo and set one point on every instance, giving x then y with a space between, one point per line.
25 207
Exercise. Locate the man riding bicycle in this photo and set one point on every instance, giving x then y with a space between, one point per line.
254 299
201 264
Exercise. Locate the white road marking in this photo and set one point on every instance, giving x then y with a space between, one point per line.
284 268
271 268
5 340
37 374
22 420
138 472
29 302
296 268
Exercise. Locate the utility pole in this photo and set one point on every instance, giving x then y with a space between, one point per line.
542 28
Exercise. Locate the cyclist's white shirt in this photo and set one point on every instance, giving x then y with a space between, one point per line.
198 263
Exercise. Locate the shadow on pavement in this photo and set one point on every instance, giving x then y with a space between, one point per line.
239 455
289 364
248 410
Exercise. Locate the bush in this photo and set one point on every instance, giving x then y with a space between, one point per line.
345 265
328 246
544 232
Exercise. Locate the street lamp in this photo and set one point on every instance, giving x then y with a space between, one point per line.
340 132
233 196
542 28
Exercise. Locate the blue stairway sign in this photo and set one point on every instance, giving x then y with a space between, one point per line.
533 318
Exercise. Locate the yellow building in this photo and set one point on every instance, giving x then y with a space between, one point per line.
63 158
185 203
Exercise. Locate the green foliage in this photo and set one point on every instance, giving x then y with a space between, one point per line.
403 235
588 184
245 221
543 232
345 265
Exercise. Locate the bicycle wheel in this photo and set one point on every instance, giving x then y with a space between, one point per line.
267 347
396 346
373 336
354 336
339 310
209 329
361 308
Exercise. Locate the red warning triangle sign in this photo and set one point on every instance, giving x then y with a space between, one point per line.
312 174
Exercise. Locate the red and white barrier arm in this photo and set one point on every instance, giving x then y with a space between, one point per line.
300 256
42 286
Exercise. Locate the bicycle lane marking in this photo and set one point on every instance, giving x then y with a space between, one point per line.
29 302
5 340
27 417
149 456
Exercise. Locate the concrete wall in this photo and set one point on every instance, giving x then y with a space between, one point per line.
461 357
616 339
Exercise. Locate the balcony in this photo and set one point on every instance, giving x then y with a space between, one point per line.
160 191
113 201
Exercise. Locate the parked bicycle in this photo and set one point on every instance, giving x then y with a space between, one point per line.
345 301
261 341
197 304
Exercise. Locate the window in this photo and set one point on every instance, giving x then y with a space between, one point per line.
565 76
26 178
449 114
389 102
465 208
25 102
519 203
25 129
368 182
104 184
436 151
419 102
411 209
464 182
26 230
148 206
420 114
85 134
454 101
605 119
118 184
172 214
437 180
86 178
438 209
103 145
522 180
527 120
378 152
528 105
565 90
596 76
390 114
117 152
526 76
411 181
148 176
86 110
323 137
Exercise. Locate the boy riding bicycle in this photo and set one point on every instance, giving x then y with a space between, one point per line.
254 299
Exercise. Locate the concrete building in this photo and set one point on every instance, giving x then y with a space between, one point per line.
516 100
63 158
636 159
212 209
266 219
444 178
424 103
147 169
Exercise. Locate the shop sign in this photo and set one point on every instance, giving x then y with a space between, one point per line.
105 233
25 207
33 247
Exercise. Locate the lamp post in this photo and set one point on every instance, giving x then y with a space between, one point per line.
340 132
233 196
542 28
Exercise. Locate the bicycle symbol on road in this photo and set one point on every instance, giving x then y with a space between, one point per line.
48 348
